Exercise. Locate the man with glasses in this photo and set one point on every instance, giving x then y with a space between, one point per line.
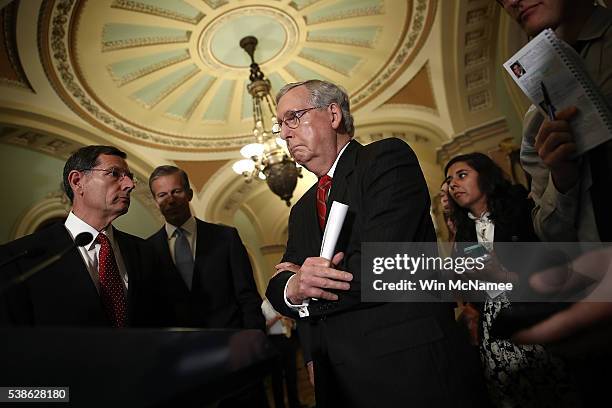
109 281
365 354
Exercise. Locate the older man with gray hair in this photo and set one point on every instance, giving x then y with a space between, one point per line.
365 354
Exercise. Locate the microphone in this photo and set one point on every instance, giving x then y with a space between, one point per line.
80 240
28 253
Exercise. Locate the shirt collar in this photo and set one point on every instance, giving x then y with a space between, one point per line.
75 226
484 217
331 171
596 25
189 226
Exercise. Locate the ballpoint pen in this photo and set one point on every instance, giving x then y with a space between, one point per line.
549 106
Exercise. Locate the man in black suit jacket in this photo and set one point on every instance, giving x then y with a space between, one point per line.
218 290
72 291
365 354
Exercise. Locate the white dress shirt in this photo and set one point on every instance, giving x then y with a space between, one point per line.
90 252
485 233
270 313
303 307
191 233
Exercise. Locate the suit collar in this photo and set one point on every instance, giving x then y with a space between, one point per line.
345 167
189 226
332 170
76 226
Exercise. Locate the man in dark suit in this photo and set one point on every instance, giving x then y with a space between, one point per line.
365 354
110 281
207 274
207 277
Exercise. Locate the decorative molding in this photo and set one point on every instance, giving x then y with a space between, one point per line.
122 80
423 15
214 4
342 41
356 12
479 101
155 11
8 24
233 202
139 42
51 145
55 39
476 78
54 205
306 3
477 46
479 138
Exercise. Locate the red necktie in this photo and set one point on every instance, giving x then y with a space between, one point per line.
111 284
322 189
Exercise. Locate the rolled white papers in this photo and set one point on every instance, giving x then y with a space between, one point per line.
332 229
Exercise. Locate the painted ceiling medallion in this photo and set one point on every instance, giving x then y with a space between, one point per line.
276 31
170 74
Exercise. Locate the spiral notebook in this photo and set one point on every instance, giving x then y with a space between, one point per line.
550 63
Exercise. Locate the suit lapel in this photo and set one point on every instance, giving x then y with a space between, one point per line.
128 253
163 250
344 169
339 192
203 250
73 261
310 220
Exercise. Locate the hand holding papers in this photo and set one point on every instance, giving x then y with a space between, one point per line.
332 229
318 275
547 58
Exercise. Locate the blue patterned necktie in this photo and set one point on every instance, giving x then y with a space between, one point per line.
183 257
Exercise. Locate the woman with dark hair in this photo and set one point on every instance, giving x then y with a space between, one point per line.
486 208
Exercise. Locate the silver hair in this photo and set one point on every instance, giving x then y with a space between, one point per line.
322 94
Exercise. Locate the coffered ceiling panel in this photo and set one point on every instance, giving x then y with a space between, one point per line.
171 74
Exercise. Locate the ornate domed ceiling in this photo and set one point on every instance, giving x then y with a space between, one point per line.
161 73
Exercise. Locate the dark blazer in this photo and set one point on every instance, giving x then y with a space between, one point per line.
224 294
378 354
64 294
514 227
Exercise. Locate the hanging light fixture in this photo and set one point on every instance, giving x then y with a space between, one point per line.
267 158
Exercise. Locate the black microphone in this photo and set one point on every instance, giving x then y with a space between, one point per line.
80 240
28 253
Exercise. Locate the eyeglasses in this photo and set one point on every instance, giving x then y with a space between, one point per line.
292 118
116 174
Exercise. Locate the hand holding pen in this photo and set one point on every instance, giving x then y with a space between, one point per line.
550 108
556 146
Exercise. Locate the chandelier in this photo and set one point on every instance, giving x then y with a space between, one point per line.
267 158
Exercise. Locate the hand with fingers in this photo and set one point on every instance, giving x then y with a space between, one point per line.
555 145
286 266
594 309
314 279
